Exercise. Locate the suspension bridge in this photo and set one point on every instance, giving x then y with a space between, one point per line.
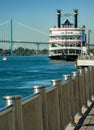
8 35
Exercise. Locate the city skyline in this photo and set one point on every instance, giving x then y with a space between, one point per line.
41 15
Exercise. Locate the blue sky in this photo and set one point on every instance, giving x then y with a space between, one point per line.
41 15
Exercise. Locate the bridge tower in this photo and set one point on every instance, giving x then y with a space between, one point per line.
11 35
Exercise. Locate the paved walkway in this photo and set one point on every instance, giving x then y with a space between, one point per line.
86 122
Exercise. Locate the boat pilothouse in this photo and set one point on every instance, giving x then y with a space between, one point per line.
68 41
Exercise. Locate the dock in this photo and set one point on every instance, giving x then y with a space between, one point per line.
85 61
67 105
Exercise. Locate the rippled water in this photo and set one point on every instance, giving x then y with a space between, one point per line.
20 73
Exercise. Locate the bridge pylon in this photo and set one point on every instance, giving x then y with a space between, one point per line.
11 35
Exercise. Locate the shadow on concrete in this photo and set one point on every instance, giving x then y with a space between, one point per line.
80 123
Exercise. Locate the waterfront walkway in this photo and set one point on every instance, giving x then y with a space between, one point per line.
86 122
88 119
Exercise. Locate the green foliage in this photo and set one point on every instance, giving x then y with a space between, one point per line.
24 51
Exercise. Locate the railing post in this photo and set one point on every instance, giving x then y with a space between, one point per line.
42 91
80 89
72 103
75 91
82 84
93 83
66 77
16 102
89 86
58 83
67 99
74 74
86 81
36 89
84 88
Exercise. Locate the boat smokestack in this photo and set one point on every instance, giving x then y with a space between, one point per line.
75 18
59 18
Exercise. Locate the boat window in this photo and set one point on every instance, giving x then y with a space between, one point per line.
78 44
59 51
65 37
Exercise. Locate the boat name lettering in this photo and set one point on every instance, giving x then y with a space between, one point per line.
67 32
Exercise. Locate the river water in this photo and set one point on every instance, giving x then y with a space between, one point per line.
19 74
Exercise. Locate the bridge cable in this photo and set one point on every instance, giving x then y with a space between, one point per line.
4 23
28 27
2 30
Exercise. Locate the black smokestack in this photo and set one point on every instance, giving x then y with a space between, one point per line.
75 18
59 18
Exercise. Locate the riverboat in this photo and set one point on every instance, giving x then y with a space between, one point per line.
67 41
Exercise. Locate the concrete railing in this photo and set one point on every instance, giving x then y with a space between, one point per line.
53 109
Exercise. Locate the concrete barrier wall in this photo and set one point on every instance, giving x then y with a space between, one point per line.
7 119
51 109
32 114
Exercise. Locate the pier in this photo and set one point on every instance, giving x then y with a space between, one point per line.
85 61
67 105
